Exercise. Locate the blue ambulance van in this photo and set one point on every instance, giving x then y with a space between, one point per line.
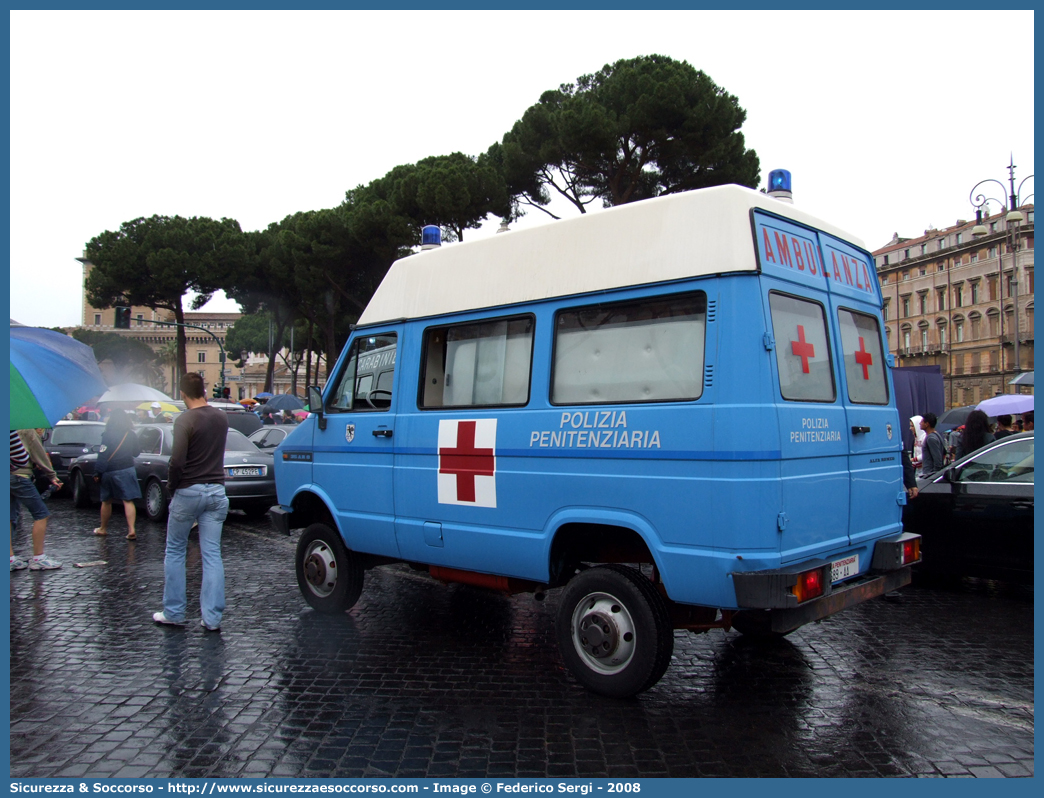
678 411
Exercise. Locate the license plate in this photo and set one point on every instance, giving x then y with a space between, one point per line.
245 471
844 568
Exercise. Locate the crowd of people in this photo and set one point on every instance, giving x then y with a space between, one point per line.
931 451
195 482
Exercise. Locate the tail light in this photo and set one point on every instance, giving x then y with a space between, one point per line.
911 551
810 585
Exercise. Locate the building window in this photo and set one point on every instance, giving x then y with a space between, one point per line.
924 249
942 337
922 300
974 327
942 267
991 252
942 299
993 227
1029 217
906 339
942 243
958 296
906 307
97 320
885 262
991 288
201 357
960 332
923 271
1029 276
906 253
884 311
975 256
960 237
975 293
924 340
139 320
906 275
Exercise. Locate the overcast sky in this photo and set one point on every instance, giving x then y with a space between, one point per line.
886 119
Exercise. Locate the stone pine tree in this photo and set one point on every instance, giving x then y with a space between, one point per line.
455 192
637 128
156 261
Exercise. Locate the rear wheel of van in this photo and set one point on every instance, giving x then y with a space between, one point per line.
614 631
330 576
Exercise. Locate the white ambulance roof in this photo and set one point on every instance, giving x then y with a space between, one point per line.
668 238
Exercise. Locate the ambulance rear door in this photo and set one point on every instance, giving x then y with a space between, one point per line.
874 434
813 439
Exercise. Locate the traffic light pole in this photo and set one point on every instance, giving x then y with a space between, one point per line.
208 332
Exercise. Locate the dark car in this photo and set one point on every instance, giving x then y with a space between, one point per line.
249 476
267 438
69 440
975 517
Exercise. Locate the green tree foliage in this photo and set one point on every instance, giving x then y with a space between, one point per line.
133 360
638 128
455 192
156 261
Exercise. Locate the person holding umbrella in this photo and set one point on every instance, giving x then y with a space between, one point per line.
24 492
115 469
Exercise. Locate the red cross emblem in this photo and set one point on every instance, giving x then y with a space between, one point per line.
803 349
467 453
863 358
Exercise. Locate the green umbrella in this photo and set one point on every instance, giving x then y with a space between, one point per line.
51 375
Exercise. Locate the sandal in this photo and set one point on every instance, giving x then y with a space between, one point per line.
99 533
132 536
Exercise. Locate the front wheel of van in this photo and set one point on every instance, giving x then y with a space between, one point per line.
330 576
614 631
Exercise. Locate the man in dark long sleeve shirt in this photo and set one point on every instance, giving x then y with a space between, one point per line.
196 481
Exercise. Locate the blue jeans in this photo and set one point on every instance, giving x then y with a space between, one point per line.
24 492
208 505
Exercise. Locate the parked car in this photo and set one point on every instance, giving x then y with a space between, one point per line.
249 476
975 517
69 440
267 438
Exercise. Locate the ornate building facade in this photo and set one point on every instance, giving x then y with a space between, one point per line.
961 302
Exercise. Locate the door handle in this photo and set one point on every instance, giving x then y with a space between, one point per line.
860 430
382 433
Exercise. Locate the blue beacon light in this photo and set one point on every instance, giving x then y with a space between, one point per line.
431 236
779 185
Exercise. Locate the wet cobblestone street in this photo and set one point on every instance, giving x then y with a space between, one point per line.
424 680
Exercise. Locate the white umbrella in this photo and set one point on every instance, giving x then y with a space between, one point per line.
1025 378
1006 405
133 392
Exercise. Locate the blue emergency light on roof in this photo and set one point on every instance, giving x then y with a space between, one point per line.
779 180
431 236
779 185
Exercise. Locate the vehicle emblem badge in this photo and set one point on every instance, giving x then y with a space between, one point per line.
349 433
888 429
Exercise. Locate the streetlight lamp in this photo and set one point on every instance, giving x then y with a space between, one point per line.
1013 220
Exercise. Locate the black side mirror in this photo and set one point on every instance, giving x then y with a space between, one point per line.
315 405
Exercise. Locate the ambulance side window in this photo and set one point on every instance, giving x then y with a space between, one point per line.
802 352
650 350
864 360
482 364
370 360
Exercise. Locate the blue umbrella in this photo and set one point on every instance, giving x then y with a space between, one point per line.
263 395
285 401
51 375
